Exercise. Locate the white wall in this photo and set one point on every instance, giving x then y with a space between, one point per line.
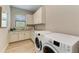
64 19
4 31
3 39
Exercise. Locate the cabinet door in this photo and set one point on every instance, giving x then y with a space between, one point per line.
29 19
27 35
33 36
38 16
35 18
21 35
13 36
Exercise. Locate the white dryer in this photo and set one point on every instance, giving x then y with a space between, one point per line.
60 43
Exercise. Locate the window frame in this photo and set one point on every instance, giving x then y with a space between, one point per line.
6 14
18 28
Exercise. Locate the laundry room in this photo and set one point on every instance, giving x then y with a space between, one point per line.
39 28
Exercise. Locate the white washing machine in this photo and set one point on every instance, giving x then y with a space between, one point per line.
60 43
38 40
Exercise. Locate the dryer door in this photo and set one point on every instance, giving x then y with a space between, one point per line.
49 49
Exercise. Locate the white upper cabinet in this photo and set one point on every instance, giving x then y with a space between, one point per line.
39 16
29 18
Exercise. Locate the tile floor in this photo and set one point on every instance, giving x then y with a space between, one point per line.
26 46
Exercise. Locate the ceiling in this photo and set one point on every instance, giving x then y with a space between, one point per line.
32 8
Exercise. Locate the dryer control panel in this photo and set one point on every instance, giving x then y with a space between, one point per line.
60 47
56 43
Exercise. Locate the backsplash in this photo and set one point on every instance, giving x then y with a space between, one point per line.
40 27
29 28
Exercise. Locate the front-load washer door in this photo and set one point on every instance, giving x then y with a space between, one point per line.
49 49
37 42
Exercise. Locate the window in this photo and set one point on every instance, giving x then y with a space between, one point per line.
20 21
4 20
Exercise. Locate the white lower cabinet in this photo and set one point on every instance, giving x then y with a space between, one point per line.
27 35
20 35
13 36
33 36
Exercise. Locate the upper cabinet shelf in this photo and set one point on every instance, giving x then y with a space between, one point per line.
39 16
